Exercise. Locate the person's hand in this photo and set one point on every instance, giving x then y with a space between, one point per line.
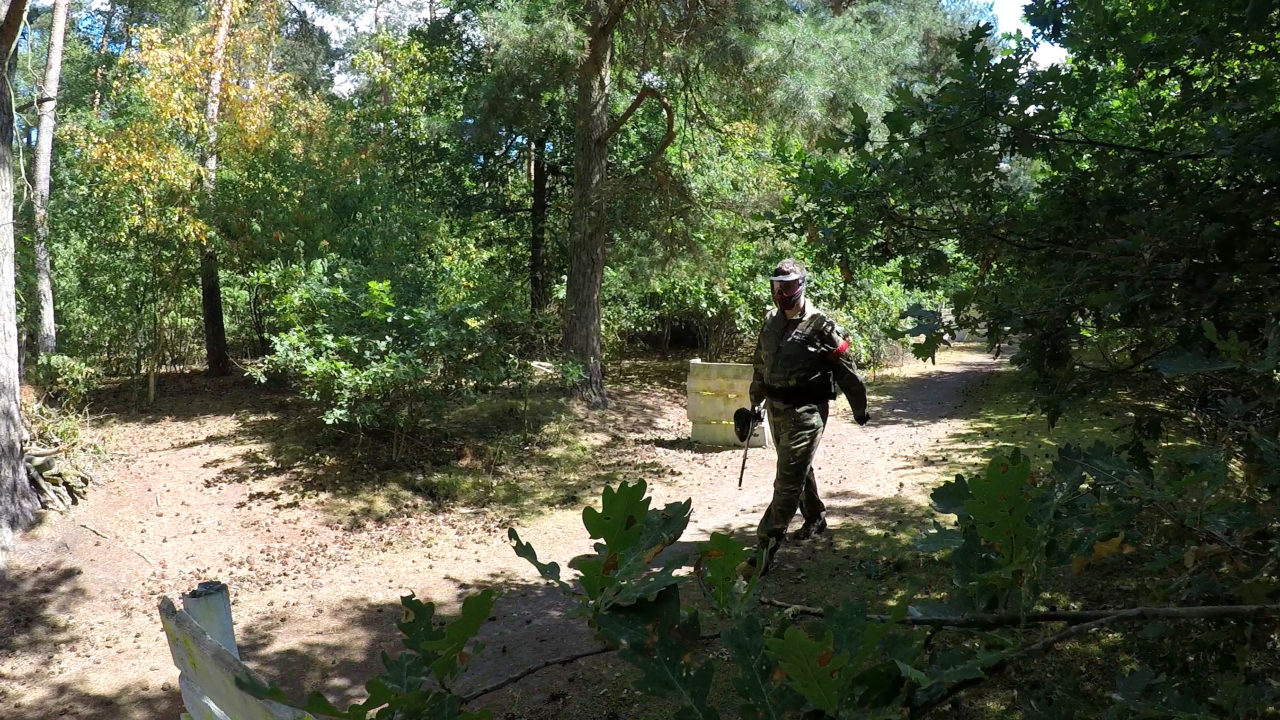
862 418
757 413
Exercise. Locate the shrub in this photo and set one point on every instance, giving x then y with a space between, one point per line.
64 378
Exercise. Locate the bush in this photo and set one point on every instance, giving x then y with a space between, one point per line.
65 379
386 355
1012 531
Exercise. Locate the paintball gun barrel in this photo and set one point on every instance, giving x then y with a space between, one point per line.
744 426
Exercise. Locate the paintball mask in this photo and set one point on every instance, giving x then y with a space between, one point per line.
787 284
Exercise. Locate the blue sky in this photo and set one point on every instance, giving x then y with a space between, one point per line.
1009 15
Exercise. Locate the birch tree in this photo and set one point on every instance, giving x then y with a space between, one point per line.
47 101
215 333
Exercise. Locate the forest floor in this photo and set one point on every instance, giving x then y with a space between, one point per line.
224 479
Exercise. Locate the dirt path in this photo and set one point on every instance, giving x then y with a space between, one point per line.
189 496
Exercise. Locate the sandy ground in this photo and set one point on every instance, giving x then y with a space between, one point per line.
315 601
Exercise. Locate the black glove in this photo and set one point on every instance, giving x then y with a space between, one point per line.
757 413
862 418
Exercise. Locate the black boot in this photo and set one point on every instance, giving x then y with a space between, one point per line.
816 526
750 567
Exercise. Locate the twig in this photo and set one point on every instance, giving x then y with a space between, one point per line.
1206 533
536 668
1202 612
43 452
1004 662
708 635
144 557
1132 614
94 530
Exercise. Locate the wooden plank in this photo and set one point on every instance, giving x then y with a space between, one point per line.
214 670
714 391
719 412
723 371
719 386
714 434
714 408
722 435
210 606
199 705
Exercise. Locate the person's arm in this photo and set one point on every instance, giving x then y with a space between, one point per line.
845 371
757 369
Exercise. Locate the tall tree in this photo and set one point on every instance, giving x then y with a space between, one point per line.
683 55
47 101
587 226
17 498
215 332
539 294
100 66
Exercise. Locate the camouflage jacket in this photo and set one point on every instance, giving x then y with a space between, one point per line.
802 360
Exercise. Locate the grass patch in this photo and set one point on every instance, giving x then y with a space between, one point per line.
1003 416
518 450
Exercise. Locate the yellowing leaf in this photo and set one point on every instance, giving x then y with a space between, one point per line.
1105 548
1078 564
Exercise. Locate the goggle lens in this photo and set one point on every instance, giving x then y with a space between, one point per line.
785 288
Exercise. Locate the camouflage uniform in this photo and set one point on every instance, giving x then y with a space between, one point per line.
799 362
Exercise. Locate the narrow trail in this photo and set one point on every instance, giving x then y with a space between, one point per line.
315 602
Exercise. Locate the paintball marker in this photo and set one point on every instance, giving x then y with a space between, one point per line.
744 426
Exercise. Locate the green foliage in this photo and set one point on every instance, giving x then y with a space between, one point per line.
1020 531
428 165
717 569
1110 220
813 666
929 325
756 683
632 535
847 666
65 379
667 672
381 354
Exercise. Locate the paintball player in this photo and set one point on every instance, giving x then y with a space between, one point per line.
801 357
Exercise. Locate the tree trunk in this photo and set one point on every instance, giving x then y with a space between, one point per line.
47 101
587 221
100 68
18 501
215 331
538 295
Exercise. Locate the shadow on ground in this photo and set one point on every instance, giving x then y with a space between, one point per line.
518 449
1002 416
522 450
34 629
534 625
926 398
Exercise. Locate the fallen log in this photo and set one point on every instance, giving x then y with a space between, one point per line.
39 452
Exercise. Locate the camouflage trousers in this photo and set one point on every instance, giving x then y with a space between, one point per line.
797 431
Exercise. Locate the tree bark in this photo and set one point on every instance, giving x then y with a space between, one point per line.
538 295
100 67
47 101
587 231
18 501
215 331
